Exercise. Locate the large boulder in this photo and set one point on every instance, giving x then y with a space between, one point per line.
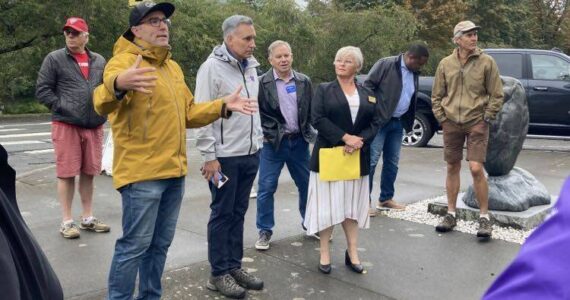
516 191
508 131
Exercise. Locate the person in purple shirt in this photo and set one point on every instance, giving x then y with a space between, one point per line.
284 106
542 267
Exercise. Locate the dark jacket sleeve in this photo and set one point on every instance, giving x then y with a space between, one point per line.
269 124
312 132
46 83
369 132
374 76
326 128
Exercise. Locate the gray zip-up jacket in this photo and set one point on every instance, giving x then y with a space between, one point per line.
241 134
63 89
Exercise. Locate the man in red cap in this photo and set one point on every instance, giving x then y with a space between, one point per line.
65 85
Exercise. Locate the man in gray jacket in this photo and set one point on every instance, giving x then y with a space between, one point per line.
230 152
65 85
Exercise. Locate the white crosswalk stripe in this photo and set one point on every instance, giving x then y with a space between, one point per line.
21 135
22 143
39 151
10 129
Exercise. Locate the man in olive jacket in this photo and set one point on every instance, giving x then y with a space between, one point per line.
284 107
149 107
467 94
65 85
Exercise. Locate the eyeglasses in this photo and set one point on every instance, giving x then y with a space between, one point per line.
155 22
71 32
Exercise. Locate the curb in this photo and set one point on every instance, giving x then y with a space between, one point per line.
26 117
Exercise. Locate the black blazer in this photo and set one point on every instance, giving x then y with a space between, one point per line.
331 118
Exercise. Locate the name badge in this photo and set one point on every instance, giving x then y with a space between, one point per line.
291 89
371 99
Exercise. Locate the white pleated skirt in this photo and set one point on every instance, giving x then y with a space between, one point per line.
331 202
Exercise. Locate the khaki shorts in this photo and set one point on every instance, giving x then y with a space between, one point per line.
77 150
454 137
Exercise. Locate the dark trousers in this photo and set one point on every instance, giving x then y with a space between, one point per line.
229 205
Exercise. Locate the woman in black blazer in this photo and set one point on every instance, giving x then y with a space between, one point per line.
344 114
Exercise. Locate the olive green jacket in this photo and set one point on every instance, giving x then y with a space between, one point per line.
467 94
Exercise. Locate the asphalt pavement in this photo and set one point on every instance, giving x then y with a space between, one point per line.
404 260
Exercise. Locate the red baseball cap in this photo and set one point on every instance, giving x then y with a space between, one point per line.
77 24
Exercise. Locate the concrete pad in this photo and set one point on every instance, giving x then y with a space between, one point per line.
404 260
526 220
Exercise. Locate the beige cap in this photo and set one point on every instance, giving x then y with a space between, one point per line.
464 26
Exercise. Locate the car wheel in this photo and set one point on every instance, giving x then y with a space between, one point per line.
422 132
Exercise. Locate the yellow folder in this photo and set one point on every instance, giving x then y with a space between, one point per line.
335 164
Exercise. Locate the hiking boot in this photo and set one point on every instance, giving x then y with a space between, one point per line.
69 230
246 280
446 224
485 228
226 285
390 205
263 241
94 225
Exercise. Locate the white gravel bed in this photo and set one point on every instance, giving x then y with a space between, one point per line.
418 213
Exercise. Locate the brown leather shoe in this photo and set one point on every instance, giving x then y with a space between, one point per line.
390 204
372 212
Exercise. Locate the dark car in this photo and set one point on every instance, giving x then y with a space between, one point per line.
545 76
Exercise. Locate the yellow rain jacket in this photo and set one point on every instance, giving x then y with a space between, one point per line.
149 130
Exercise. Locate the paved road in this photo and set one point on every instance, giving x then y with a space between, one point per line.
405 260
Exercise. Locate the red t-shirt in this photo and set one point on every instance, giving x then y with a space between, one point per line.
83 62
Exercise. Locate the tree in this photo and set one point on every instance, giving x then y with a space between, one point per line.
548 19
29 29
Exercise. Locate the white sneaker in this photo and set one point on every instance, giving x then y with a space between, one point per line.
253 193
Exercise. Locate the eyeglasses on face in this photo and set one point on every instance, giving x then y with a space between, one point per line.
71 32
155 22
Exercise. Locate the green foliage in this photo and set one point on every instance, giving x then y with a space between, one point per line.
30 29
24 106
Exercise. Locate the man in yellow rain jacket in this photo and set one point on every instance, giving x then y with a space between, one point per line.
149 107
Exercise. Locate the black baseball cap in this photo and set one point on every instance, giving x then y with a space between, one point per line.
146 7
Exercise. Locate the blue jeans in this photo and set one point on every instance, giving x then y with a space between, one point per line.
387 142
229 205
150 212
295 153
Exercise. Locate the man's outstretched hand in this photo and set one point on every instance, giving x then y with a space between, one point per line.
235 102
134 78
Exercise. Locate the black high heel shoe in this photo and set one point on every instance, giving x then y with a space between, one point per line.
325 269
358 268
